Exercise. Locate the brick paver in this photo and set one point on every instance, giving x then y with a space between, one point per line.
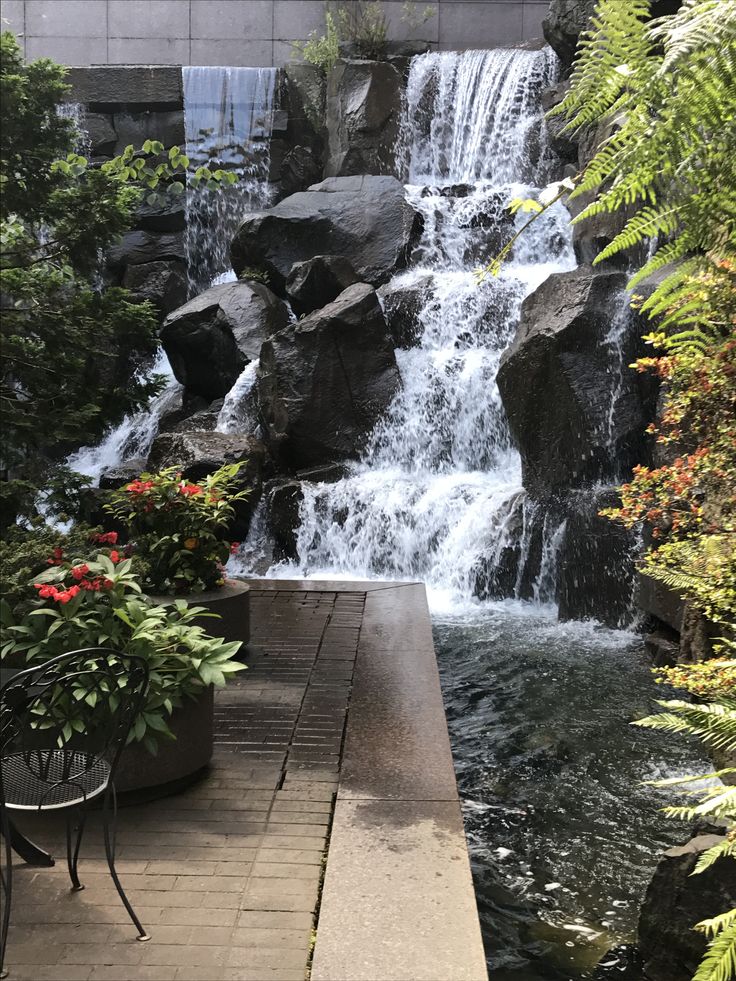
224 876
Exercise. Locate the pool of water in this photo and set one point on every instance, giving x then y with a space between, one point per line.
563 837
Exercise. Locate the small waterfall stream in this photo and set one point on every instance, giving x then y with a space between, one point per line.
228 116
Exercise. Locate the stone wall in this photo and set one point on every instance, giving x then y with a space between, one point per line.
238 32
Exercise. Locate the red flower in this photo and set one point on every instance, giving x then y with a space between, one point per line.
190 490
109 538
234 546
80 571
107 583
139 487
115 555
56 559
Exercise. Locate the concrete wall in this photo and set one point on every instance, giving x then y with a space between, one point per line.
237 32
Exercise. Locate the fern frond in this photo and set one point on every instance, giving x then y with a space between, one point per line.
719 963
724 849
714 926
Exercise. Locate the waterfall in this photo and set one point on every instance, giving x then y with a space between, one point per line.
228 117
440 482
133 437
238 413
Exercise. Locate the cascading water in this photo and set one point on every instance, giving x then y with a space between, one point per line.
435 484
228 120
228 117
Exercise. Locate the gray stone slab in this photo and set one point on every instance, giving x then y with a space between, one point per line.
481 25
297 18
401 868
143 19
67 50
12 16
126 84
244 54
397 746
148 51
73 18
234 19
321 585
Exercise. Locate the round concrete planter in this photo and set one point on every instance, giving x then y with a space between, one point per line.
232 604
178 762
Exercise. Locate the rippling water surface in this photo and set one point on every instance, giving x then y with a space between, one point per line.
563 836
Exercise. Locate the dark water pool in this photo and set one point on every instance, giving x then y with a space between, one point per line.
563 837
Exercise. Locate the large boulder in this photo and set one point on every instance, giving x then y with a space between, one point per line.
283 502
141 246
318 281
402 304
327 380
596 564
675 901
211 338
162 283
576 411
363 113
366 219
563 25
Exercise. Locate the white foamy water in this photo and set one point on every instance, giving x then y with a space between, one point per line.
133 437
237 414
440 481
228 118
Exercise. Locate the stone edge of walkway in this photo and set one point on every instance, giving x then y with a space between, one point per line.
398 902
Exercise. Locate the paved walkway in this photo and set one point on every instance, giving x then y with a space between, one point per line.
225 876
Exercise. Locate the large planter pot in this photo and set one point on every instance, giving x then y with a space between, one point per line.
178 762
232 604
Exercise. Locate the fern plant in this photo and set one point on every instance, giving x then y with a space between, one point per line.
715 725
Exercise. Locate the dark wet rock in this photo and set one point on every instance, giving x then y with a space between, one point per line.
363 114
299 169
204 421
365 219
659 600
211 338
326 381
162 283
303 95
123 474
596 563
558 379
100 133
697 636
283 500
565 21
141 246
137 127
318 281
329 473
564 145
663 646
168 217
675 900
402 305
115 84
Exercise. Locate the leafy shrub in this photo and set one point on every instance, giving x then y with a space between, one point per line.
179 527
100 603
321 50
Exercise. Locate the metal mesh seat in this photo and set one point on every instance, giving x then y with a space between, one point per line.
46 779
63 726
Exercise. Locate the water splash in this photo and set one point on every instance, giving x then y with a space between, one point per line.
134 436
228 119
477 114
439 485
238 412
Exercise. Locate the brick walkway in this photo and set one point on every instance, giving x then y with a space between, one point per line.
224 876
